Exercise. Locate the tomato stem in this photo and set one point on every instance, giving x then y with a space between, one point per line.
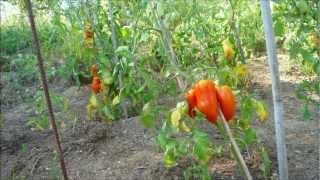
235 147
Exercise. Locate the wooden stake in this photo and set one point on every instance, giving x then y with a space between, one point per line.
276 93
45 87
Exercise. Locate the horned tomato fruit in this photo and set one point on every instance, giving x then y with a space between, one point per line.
191 100
206 99
226 101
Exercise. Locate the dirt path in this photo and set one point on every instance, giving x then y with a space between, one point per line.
96 150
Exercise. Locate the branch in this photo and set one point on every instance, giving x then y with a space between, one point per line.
166 38
235 147
236 33
116 58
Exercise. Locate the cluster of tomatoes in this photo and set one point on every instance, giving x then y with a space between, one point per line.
208 98
96 82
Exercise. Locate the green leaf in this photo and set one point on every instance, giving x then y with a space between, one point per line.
249 135
125 32
107 77
266 162
293 51
147 117
217 150
182 147
306 113
106 111
307 56
162 139
201 148
279 28
169 158
122 49
246 111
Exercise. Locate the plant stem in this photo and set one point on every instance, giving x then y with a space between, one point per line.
235 147
166 37
45 87
116 58
236 34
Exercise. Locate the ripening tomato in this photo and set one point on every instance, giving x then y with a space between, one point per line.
94 70
191 100
206 99
96 85
226 101
228 50
88 34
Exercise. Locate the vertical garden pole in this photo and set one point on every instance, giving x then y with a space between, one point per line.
45 86
276 93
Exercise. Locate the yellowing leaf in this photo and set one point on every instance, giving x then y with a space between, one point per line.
261 111
116 100
107 78
62 125
169 159
184 127
93 101
89 111
182 107
175 118
104 87
242 70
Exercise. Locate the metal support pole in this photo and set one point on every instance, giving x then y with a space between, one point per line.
45 87
276 93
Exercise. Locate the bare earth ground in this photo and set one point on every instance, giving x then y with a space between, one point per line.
95 150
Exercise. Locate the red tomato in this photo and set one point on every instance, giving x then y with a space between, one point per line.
226 101
96 85
191 100
206 99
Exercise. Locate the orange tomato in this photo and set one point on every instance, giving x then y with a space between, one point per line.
94 70
191 100
96 85
206 99
226 101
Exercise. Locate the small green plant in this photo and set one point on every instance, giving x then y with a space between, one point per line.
41 120
53 167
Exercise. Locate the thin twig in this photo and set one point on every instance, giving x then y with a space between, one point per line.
235 147
45 86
